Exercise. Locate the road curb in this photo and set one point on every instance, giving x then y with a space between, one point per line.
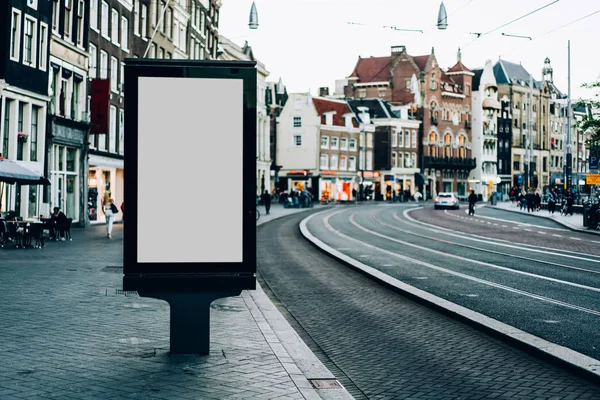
570 227
560 355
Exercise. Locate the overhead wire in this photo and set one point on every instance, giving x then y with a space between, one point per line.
511 22
553 30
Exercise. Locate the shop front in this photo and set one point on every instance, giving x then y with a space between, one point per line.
105 179
371 185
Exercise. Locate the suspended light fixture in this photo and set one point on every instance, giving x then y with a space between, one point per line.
253 22
280 88
442 18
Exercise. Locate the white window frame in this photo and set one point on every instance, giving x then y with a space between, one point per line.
353 145
43 47
94 15
152 52
93 64
335 143
324 162
182 37
169 22
400 142
68 19
333 162
144 22
103 64
351 163
369 160
413 160
33 21
121 131
15 32
406 160
297 140
56 15
406 138
394 159
124 33
343 163
394 137
105 20
400 160
122 77
176 33
112 130
413 139
80 23
136 17
114 74
154 16
115 22
163 5
326 140
297 120
344 143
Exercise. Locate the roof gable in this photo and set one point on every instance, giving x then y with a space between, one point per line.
459 67
508 72
325 105
373 69
421 61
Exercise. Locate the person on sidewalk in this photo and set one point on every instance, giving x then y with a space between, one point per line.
57 219
552 201
266 200
570 200
472 200
110 210
123 211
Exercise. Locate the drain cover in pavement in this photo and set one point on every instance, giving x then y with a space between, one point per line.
326 384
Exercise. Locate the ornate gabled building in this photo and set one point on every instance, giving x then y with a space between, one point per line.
440 99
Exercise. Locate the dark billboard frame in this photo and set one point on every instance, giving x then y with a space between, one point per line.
136 271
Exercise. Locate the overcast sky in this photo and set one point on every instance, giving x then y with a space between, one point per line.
309 43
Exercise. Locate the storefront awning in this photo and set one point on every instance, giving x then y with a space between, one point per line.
420 179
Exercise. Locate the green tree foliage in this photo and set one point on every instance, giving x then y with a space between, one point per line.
592 119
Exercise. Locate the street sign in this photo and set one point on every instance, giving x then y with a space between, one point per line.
593 160
592 179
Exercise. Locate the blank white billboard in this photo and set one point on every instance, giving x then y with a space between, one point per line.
190 141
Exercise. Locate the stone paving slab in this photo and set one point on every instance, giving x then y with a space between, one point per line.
69 332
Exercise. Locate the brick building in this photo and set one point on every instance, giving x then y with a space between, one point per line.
440 99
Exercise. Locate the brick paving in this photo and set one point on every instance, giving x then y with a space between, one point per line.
69 332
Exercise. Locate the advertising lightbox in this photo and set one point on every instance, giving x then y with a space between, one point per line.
190 166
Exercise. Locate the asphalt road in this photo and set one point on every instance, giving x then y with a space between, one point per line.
385 346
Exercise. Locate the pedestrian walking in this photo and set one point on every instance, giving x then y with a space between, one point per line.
570 201
110 210
530 199
552 201
266 200
472 200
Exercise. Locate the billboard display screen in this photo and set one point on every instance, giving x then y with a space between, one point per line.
190 168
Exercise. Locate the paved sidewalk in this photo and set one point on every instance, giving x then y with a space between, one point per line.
573 222
69 332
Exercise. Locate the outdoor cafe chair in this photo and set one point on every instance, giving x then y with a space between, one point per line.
3 232
13 233
35 231
63 229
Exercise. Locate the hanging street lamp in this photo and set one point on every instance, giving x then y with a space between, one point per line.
253 22
442 23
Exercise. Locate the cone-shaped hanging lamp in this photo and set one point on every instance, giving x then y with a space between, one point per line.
442 18
280 88
253 22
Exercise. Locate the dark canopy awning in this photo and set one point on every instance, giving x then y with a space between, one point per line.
420 179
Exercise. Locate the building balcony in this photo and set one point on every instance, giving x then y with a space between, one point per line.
450 163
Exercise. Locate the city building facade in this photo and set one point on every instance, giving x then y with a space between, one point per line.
24 72
484 179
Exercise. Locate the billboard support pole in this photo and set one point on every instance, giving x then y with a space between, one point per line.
190 319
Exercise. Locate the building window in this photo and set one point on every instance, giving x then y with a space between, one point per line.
333 164
114 74
352 163
103 64
6 131
33 136
55 15
406 139
114 26
93 61
516 165
113 130
136 17
161 53
297 140
352 144
324 161
15 35
68 17
324 142
162 20
334 143
407 160
29 42
105 18
343 144
413 141
382 92
169 23
362 93
121 131
124 33
80 15
467 89
152 50
297 122
202 22
182 37
369 160
394 159
413 160
400 160
154 16
144 21
343 163
394 138
176 33
21 111
43 47
94 14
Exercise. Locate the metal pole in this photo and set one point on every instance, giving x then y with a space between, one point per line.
569 159
363 161
531 131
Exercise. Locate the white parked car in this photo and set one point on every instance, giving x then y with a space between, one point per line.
446 200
